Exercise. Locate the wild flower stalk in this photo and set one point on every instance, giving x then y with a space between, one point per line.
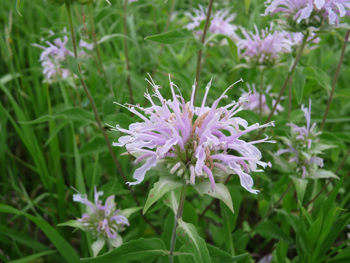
304 146
104 222
54 58
192 142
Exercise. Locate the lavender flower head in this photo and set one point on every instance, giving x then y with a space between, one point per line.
55 54
220 22
296 39
302 14
104 222
193 142
253 103
263 48
304 146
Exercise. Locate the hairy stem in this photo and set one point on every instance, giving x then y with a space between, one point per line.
98 51
200 52
127 61
286 81
260 95
289 99
177 217
336 75
97 117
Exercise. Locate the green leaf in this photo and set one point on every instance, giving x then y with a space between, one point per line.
97 145
121 118
324 174
188 236
172 37
234 49
72 223
217 255
221 192
247 4
74 67
77 114
298 83
315 230
17 6
227 230
281 251
320 76
129 211
34 257
300 186
109 37
171 199
57 240
160 188
269 230
140 249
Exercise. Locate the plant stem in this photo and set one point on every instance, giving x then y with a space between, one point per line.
336 75
290 99
97 50
260 92
177 217
97 117
127 62
200 52
286 81
274 207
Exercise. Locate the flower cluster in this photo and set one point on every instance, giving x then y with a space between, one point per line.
54 58
194 142
309 13
254 100
301 145
263 48
220 22
104 222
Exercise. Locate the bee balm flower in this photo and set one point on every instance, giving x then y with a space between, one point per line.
193 142
263 48
309 13
104 222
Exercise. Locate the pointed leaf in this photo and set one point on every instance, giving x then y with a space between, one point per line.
300 186
217 255
188 236
172 37
298 83
72 223
139 249
171 199
221 192
74 67
57 240
247 4
160 188
268 229
129 211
